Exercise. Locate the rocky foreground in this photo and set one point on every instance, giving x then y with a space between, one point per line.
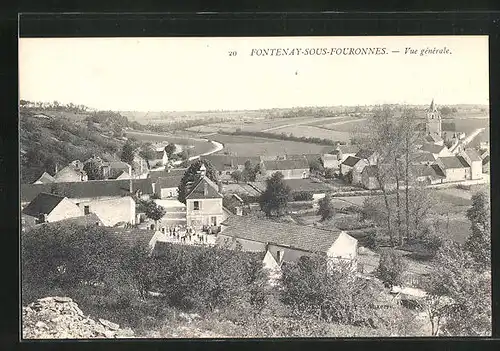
60 318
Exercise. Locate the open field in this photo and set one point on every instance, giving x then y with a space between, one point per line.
345 126
313 132
196 146
272 147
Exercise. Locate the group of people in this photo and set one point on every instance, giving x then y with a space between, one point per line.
185 234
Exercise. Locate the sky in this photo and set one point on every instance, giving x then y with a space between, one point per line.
198 74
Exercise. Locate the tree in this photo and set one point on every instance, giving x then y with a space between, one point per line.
237 176
93 171
391 268
250 171
318 288
326 209
274 200
154 211
147 152
316 165
329 173
127 155
191 176
170 149
459 294
479 242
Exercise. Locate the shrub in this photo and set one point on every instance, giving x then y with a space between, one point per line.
391 268
302 196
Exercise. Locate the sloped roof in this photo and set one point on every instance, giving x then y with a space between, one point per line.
306 185
223 162
198 191
450 162
168 182
370 171
309 157
486 160
364 153
42 203
433 138
432 148
351 161
473 155
427 171
119 165
45 178
438 170
423 156
296 236
88 189
278 165
69 169
167 173
133 236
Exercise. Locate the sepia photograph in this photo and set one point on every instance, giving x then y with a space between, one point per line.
258 187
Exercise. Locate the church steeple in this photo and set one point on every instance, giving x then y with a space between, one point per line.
431 108
433 124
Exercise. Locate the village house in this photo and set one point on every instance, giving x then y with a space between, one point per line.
422 157
331 161
348 165
47 207
434 139
45 178
369 177
111 169
475 162
29 222
167 187
436 150
160 158
110 199
71 173
344 151
288 242
291 169
204 203
428 173
455 168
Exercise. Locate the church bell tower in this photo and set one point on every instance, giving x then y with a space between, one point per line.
433 123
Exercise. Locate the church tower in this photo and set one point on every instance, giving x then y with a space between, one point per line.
433 123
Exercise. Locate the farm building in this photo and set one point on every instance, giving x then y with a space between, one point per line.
331 161
317 189
455 168
422 157
428 174
288 242
227 164
291 169
167 187
70 173
348 164
369 156
434 139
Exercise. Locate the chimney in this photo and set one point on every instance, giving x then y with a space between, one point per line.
205 188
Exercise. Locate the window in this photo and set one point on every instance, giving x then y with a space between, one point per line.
196 205
86 210
213 220
279 256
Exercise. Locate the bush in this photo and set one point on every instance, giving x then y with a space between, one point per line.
391 268
302 196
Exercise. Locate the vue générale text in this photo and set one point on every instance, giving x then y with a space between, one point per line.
318 51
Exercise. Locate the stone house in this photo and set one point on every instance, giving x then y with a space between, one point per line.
46 208
288 242
204 203
455 168
436 150
70 173
227 164
475 162
44 179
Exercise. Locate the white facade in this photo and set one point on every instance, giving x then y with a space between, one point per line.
112 210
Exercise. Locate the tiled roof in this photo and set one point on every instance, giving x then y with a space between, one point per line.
133 236
278 165
427 171
223 162
351 161
473 155
309 157
198 191
432 148
265 231
433 138
370 171
438 170
364 154
119 165
486 160
42 203
69 169
89 189
46 178
168 182
423 156
450 162
167 173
